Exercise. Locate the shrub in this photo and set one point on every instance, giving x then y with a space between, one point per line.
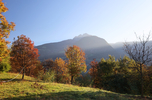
48 76
84 80
4 67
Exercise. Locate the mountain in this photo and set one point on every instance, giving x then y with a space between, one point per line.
119 48
96 47
93 46
76 38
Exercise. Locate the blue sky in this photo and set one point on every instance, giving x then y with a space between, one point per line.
45 21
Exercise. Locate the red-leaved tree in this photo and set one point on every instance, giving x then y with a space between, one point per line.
93 71
23 55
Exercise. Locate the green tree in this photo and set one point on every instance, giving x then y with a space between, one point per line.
106 68
126 65
141 53
5 65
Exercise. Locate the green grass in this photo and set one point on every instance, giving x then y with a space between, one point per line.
29 89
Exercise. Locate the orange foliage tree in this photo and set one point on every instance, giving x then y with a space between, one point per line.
23 55
5 29
93 70
34 69
76 61
61 70
59 67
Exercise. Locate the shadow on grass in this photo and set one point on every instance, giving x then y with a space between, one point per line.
72 95
15 80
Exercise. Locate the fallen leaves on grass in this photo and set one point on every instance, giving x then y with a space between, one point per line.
39 86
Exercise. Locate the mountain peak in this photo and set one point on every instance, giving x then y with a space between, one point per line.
81 36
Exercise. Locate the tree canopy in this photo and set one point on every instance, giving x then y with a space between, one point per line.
5 28
23 55
76 61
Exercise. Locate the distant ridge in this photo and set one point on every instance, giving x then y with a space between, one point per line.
93 46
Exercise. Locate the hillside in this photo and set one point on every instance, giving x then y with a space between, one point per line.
96 47
119 47
31 90
93 46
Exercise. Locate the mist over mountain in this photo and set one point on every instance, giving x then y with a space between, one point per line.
119 47
93 46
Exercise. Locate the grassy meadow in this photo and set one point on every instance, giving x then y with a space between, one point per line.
29 89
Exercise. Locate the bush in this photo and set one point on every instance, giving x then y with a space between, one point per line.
4 67
48 76
84 80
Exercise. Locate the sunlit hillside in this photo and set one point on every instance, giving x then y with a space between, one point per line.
29 90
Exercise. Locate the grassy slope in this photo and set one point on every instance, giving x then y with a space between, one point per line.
28 89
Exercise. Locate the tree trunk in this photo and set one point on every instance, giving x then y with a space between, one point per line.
23 73
141 79
71 79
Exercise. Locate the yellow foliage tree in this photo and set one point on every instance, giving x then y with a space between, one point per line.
5 28
61 70
76 61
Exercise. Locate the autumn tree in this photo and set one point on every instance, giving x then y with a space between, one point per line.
93 70
59 67
61 70
141 53
48 64
23 55
34 69
5 28
76 61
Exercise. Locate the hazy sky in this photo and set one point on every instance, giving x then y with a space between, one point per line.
45 21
